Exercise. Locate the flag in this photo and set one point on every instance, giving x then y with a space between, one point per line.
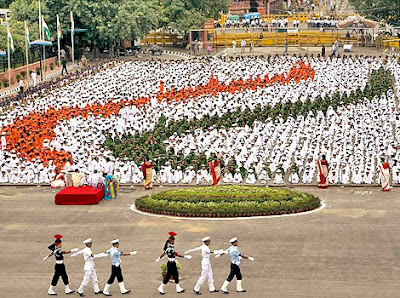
28 40
59 33
72 22
10 40
46 30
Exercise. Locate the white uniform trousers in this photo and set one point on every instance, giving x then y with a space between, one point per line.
206 273
89 274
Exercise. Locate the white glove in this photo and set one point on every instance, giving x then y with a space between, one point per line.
251 259
186 252
188 257
75 250
100 255
45 258
132 253
158 260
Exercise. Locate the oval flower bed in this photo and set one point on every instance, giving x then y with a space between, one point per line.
227 201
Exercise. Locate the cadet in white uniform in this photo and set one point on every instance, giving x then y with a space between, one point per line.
89 268
206 270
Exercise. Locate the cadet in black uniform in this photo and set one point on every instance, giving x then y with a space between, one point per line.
172 270
59 267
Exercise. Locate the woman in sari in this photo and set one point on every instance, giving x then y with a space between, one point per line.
384 175
215 170
323 169
147 170
111 187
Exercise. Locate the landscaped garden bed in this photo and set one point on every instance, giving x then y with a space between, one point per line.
228 201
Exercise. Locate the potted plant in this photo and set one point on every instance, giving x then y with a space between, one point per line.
23 74
38 71
5 83
164 270
51 66
18 77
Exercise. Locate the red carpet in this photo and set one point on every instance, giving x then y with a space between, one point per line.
86 195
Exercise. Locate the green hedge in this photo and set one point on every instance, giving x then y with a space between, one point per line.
227 201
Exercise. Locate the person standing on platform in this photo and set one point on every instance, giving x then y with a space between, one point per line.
89 268
323 51
60 271
206 270
235 256
116 271
384 174
172 270
147 170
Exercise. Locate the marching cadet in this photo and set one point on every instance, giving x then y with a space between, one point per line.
206 270
60 266
89 268
235 256
172 270
116 271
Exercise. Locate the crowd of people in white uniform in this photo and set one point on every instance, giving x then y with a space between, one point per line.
282 150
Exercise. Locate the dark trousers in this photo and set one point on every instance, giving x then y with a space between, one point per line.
171 271
116 272
235 270
59 271
64 67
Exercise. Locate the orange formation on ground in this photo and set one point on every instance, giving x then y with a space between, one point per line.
27 135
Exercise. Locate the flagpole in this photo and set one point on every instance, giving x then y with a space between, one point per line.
40 21
58 39
26 49
72 37
8 54
40 36
44 48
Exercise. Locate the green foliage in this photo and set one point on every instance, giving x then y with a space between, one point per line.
228 201
5 83
184 15
164 267
109 21
388 10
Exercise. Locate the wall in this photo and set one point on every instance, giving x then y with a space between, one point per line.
33 66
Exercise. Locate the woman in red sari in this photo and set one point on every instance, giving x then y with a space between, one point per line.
215 170
323 169
147 170
384 174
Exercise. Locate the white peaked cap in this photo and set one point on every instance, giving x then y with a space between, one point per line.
208 238
89 240
233 240
115 241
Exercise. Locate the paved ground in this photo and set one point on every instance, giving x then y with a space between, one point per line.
349 249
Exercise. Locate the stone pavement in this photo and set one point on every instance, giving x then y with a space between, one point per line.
349 249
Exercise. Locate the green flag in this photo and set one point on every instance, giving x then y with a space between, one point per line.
10 40
46 30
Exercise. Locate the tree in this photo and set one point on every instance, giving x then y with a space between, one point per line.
184 15
388 10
